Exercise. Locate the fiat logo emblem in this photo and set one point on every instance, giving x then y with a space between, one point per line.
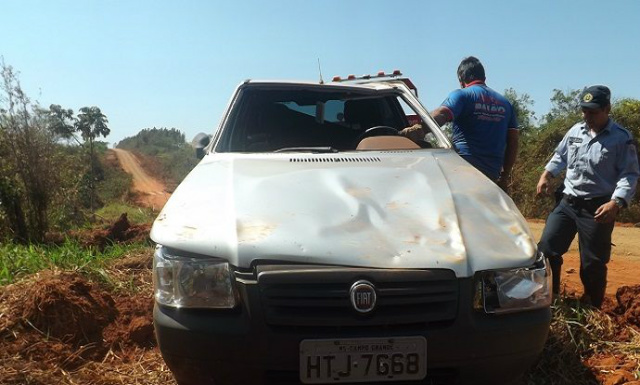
363 296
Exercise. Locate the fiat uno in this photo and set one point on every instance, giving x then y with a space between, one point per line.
312 244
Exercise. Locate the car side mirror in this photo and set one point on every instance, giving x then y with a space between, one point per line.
200 142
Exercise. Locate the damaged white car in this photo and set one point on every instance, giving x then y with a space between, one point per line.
312 244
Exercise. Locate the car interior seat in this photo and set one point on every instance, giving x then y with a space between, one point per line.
361 114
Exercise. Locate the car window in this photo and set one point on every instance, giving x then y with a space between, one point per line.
330 110
266 120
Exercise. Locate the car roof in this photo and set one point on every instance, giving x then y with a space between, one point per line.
378 85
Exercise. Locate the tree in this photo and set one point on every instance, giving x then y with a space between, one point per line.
92 123
62 122
627 113
564 106
536 149
522 106
29 178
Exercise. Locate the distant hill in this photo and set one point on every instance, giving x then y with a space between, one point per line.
164 153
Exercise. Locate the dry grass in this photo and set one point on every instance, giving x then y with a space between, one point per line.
139 366
584 347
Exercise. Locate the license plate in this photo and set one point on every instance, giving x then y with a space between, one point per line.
363 360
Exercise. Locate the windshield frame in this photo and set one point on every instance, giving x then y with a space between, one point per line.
222 139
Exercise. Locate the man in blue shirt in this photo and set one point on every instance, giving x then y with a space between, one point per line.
602 173
484 124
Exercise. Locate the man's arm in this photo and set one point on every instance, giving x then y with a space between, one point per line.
442 115
557 163
627 162
416 132
511 152
544 182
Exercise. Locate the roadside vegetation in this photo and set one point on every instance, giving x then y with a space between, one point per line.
135 214
50 165
19 261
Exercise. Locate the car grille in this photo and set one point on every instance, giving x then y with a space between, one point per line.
333 159
319 296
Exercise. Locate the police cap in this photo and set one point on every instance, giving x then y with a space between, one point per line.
595 97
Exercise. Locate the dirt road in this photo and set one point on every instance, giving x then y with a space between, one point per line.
151 191
624 267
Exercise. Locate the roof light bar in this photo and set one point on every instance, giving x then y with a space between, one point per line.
380 74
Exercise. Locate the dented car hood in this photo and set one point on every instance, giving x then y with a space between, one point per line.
380 209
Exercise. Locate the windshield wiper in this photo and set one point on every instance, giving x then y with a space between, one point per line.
308 149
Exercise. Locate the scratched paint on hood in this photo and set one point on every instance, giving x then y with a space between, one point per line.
400 212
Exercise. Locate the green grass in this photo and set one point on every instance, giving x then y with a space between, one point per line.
115 184
18 261
138 215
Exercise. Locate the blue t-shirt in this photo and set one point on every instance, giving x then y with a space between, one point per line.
481 118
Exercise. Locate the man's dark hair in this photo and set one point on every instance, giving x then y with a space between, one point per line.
470 69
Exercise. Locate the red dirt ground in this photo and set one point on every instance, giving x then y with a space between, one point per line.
150 191
60 328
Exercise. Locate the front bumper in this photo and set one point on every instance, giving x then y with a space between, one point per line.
251 345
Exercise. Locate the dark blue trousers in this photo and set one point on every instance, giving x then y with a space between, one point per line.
573 216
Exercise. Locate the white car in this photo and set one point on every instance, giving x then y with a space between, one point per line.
312 244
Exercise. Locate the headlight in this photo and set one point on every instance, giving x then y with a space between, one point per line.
504 291
191 282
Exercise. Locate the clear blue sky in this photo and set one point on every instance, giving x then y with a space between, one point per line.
176 63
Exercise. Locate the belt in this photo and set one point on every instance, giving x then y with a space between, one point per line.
586 200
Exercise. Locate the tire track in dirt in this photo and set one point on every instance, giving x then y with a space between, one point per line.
151 191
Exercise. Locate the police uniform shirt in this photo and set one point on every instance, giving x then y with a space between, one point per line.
602 165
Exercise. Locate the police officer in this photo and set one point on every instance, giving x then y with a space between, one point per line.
602 172
485 130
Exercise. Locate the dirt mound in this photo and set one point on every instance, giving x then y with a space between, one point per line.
121 231
626 308
613 370
68 307
55 323
134 324
53 319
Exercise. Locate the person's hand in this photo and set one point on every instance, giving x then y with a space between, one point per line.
503 182
414 132
544 183
606 213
